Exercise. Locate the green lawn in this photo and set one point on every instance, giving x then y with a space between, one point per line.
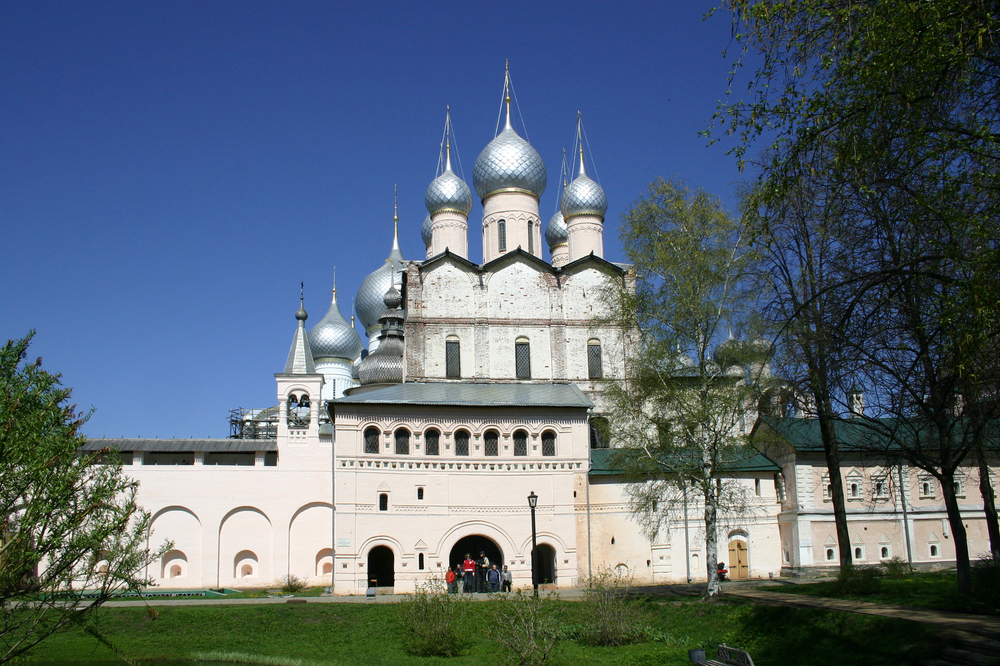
350 634
920 590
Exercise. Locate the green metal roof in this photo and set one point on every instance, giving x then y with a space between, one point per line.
750 460
803 434
180 445
472 395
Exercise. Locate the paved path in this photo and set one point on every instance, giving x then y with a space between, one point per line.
981 625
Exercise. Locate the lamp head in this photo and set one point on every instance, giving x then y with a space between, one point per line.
532 499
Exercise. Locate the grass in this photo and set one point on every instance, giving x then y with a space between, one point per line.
920 590
348 634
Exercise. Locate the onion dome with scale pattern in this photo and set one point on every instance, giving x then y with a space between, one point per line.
385 364
583 196
425 231
555 231
368 302
448 192
509 163
333 336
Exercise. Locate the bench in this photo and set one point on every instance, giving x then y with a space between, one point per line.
727 656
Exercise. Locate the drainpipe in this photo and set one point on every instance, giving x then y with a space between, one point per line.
333 496
590 559
906 521
687 539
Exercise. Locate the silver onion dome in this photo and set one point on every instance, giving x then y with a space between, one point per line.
555 231
584 196
509 162
385 364
368 302
333 336
448 192
425 230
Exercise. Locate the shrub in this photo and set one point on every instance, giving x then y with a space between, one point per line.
986 580
527 628
291 584
897 567
432 621
859 581
614 619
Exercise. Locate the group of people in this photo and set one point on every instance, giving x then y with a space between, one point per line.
478 576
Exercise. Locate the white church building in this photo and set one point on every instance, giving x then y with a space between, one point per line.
480 385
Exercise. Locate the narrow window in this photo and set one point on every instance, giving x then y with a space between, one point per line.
594 368
420 493
502 236
934 551
432 439
885 553
402 441
371 440
858 554
520 443
829 554
383 502
854 490
522 358
548 443
420 561
531 237
492 442
756 487
462 443
452 358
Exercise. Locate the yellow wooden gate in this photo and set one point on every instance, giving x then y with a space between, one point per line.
738 562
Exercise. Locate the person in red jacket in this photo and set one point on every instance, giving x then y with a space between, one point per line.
449 578
469 570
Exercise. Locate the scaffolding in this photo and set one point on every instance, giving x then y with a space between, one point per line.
253 423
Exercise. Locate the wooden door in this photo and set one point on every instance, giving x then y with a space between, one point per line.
738 561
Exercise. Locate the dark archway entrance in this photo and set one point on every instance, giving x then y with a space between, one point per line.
473 544
381 566
546 564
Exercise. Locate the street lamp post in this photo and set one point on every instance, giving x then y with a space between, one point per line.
533 502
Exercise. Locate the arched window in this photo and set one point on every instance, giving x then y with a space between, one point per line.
431 439
462 443
492 443
402 441
383 502
371 440
594 368
502 236
522 358
531 237
548 443
420 561
830 556
452 358
520 443
600 430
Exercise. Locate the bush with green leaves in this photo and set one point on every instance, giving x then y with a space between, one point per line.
897 568
432 625
614 619
527 627
860 581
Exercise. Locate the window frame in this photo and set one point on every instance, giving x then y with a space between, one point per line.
377 440
467 436
452 360
502 235
495 443
396 440
522 369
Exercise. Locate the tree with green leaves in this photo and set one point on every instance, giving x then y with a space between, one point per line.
901 100
681 415
71 533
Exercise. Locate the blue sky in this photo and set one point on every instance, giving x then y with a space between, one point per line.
170 171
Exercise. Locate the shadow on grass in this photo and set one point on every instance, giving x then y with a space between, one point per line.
781 635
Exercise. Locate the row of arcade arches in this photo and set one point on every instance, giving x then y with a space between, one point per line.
382 559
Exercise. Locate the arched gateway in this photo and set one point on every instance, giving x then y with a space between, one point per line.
381 567
473 544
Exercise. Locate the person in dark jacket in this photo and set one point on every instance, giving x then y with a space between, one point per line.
482 566
493 579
